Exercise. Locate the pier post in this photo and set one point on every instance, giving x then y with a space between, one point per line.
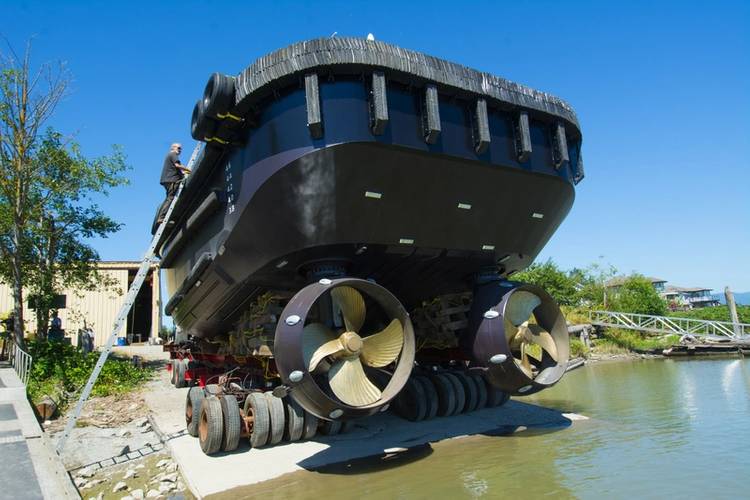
732 310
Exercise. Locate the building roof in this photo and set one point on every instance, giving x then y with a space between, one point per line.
681 289
619 280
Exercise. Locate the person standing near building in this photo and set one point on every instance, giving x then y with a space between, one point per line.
172 174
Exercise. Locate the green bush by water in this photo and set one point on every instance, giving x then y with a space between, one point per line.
60 371
718 313
637 341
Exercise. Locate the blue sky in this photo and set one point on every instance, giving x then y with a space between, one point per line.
662 91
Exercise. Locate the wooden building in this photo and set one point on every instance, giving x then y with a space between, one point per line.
99 308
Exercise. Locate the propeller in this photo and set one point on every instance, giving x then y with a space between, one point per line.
522 335
349 351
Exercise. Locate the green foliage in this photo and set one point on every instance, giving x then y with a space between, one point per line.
61 371
553 280
718 313
578 348
638 341
637 295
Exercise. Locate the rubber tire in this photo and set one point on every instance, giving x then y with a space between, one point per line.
213 390
446 397
295 420
230 439
311 426
470 391
172 372
258 403
496 397
276 411
458 389
218 95
411 403
431 397
211 412
330 427
194 398
478 380
179 380
201 126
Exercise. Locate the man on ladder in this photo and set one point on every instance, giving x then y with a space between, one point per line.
172 174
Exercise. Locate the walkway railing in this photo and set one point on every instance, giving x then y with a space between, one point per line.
668 324
21 362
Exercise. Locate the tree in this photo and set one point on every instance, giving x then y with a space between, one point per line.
553 280
591 283
46 186
637 295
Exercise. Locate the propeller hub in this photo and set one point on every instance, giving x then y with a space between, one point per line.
351 342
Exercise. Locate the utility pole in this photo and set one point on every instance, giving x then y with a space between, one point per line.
732 310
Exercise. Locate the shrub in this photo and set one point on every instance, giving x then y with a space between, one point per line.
61 371
637 295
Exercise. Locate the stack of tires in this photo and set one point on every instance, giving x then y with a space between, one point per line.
213 108
446 393
218 422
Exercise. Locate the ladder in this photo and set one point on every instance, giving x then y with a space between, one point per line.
148 259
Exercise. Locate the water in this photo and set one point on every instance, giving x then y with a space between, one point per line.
657 428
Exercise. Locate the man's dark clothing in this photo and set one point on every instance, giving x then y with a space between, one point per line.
171 191
170 173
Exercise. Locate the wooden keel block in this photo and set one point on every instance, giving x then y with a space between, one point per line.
560 146
481 127
522 137
378 104
430 115
312 99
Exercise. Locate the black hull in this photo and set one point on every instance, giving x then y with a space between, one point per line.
418 217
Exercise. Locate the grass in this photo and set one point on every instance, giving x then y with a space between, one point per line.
636 341
718 313
60 372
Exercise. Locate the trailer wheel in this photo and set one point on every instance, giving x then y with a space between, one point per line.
330 427
211 425
311 426
179 380
257 418
431 397
295 420
172 371
470 390
496 397
411 402
446 395
276 411
193 400
481 386
230 439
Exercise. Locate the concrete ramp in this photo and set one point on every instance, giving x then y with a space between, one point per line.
381 435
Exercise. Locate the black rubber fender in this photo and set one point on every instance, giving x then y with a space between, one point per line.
202 127
458 390
431 397
218 96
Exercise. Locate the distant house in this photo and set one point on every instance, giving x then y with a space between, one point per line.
615 283
676 297
688 298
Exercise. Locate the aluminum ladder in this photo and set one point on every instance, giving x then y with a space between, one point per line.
148 259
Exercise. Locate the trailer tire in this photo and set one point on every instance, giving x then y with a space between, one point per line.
179 380
430 395
211 425
256 406
330 427
295 420
230 439
276 411
478 380
172 371
470 390
458 390
193 400
446 396
311 426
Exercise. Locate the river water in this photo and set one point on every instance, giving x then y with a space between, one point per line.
656 428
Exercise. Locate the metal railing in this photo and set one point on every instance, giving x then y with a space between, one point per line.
668 324
21 362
